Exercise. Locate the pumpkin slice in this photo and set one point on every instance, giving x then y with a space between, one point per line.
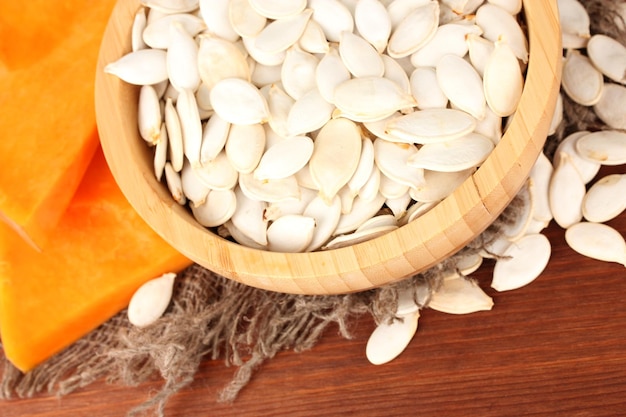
99 254
48 57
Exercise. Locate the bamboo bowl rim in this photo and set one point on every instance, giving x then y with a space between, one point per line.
410 249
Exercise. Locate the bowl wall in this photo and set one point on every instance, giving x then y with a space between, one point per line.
413 248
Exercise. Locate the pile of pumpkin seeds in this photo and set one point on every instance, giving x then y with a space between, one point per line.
566 190
298 125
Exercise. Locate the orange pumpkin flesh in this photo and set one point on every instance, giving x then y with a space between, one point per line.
48 54
98 255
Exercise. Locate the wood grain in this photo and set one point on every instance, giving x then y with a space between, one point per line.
554 347
412 248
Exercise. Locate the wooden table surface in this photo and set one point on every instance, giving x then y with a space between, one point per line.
555 347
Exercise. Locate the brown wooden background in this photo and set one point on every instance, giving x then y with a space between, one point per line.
555 347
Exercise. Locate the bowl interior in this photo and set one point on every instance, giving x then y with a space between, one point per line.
410 249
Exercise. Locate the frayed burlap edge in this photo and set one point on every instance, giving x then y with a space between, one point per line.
215 318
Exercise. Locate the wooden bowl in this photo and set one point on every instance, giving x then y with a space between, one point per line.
410 249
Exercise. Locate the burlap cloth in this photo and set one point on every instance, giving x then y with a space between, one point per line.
211 317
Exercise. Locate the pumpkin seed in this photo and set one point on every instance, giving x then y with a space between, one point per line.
271 191
219 59
280 34
330 72
414 31
326 218
215 15
298 72
249 218
285 158
333 16
609 108
174 184
244 18
466 152
142 67
448 39
607 147
150 300
157 34
149 115
463 86
290 233
605 199
503 80
309 113
431 126
313 39
460 296
244 146
597 241
389 340
566 192
581 81
217 208
278 9
574 18
522 263
359 56
373 23
160 153
193 187
497 23
239 102
139 25
586 169
391 158
426 90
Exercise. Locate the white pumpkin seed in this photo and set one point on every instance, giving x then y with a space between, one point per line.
609 56
426 90
370 98
139 25
362 210
333 16
214 136
610 107
142 67
373 23
395 72
581 81
298 72
539 185
391 158
265 75
511 6
313 39
160 153
157 34
369 190
244 19
359 56
414 31
607 147
462 7
586 169
174 184
248 218
217 209
228 229
309 113
358 236
239 102
416 210
279 105
271 191
218 173
364 168
459 154
263 58
326 218
463 86
503 80
566 193
149 115
194 189
244 146
215 15
438 185
605 199
557 116
291 206
280 34
330 72
490 126
291 233
431 126
285 158
278 9
150 300
399 9
448 39
175 135
381 220
399 206
479 50
460 296
389 188
335 156
191 126
597 241
518 228
574 18
521 263
497 23
389 340
219 59
569 41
